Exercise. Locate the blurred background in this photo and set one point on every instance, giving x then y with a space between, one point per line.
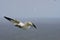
45 14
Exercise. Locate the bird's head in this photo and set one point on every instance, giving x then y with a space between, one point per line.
32 24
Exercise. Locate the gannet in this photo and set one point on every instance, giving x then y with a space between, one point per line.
20 24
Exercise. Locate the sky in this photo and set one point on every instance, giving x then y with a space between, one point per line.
47 29
30 8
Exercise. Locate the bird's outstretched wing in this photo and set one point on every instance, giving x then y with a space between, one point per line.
12 20
34 25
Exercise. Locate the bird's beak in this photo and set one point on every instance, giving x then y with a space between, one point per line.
34 26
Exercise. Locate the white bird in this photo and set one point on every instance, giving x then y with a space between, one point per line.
19 24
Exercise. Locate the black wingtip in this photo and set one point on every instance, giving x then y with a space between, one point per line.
8 18
4 16
34 26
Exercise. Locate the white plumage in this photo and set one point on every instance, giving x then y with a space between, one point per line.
22 24
19 24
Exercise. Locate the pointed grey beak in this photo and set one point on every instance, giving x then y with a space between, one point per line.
8 18
34 26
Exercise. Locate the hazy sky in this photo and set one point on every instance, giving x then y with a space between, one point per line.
30 8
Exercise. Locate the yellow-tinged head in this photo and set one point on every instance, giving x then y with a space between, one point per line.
31 24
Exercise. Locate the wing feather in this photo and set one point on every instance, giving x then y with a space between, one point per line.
12 20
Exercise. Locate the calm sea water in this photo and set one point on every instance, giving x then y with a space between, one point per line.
47 29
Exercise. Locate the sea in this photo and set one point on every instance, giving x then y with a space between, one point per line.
47 29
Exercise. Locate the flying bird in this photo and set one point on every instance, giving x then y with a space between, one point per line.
20 24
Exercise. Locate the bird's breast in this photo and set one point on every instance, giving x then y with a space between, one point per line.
21 24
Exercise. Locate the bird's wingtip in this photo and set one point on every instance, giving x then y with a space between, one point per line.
8 18
4 16
34 26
